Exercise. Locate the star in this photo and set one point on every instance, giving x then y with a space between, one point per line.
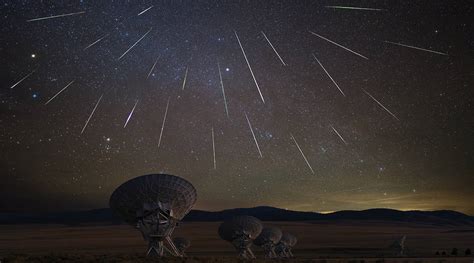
299 99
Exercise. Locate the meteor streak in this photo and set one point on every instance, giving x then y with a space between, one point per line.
302 154
253 134
380 104
95 42
327 73
140 39
153 67
223 91
339 45
130 115
354 8
92 113
164 120
185 77
344 141
417 48
142 12
276 52
21 80
213 147
52 98
55 16
250 68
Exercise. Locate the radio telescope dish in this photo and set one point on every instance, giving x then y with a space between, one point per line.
287 242
241 231
181 244
154 204
268 239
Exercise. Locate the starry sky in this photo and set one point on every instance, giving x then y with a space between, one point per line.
115 65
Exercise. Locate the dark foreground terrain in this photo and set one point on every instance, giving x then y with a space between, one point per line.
56 258
342 241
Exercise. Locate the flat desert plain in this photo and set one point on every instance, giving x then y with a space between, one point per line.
317 242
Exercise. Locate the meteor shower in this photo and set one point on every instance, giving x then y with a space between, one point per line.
236 131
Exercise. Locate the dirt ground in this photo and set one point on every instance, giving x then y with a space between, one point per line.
317 242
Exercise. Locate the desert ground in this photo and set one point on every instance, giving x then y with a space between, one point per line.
317 242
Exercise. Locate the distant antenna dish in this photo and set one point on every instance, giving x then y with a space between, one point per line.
181 244
287 242
241 231
399 246
268 239
154 204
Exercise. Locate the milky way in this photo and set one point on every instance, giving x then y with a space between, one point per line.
94 93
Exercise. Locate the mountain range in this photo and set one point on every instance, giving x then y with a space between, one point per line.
264 213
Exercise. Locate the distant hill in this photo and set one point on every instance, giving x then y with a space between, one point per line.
265 213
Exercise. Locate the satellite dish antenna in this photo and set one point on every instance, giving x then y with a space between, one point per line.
399 246
287 242
241 231
268 239
154 204
181 244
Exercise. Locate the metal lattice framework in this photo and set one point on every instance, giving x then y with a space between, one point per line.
241 231
268 235
230 229
287 242
267 240
129 197
154 204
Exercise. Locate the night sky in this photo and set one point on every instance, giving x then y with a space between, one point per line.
415 58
